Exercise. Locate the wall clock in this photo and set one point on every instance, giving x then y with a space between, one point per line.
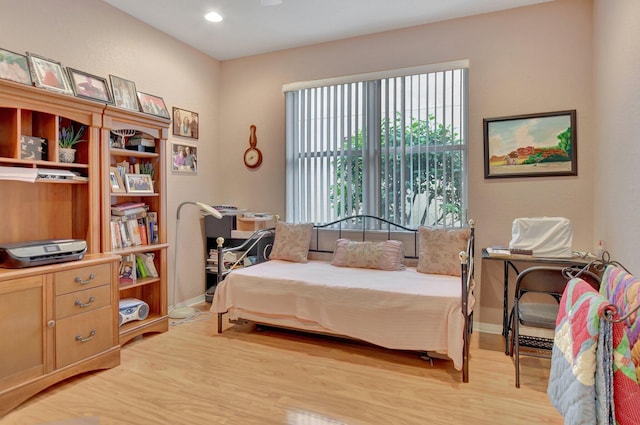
252 156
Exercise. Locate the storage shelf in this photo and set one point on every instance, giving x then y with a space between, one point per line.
140 282
135 154
139 248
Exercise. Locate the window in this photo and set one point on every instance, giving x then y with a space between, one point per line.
391 145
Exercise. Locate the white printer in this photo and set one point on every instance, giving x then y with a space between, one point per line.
41 252
544 236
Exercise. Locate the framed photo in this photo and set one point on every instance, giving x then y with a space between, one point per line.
153 105
184 158
124 93
89 86
185 123
138 183
48 74
117 186
535 145
14 67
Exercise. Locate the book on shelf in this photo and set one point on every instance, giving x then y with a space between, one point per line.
123 206
148 264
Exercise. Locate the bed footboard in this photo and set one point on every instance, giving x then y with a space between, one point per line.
467 282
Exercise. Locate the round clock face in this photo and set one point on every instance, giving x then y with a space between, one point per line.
252 157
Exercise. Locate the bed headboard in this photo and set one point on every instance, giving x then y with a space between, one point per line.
366 228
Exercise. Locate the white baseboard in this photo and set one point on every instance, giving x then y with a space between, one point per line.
488 328
190 302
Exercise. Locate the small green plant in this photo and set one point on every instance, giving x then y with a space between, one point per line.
69 137
147 168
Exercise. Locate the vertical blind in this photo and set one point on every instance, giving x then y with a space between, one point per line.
392 146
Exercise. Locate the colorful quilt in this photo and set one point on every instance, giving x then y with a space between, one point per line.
576 361
592 378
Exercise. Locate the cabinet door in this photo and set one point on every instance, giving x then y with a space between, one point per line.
23 330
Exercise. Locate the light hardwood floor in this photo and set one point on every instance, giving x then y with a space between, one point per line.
191 375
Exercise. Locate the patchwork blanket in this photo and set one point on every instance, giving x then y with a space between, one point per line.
592 378
576 360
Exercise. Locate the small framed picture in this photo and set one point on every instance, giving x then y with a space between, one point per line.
138 183
117 186
14 67
49 74
153 105
185 123
124 93
89 86
184 158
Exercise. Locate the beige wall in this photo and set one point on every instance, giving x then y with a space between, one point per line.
525 60
94 37
617 106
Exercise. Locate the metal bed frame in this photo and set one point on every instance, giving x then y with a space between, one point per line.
357 223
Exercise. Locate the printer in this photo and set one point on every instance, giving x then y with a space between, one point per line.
41 252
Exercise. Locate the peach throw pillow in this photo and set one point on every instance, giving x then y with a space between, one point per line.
383 255
291 242
439 249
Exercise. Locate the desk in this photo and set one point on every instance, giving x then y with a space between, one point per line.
510 263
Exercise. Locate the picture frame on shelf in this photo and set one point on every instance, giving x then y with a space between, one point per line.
139 183
184 158
15 67
185 123
117 185
89 86
49 74
533 145
124 93
153 105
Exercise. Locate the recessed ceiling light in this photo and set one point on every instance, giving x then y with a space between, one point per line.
271 2
213 17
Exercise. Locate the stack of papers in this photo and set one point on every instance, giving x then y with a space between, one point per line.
19 173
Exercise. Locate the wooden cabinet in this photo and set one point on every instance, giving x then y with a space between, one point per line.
151 290
51 329
57 320
48 208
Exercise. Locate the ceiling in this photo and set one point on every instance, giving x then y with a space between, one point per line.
250 28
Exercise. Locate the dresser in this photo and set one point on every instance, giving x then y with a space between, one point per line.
56 321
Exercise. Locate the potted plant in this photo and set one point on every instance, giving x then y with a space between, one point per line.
67 139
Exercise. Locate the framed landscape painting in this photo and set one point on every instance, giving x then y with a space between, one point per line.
534 145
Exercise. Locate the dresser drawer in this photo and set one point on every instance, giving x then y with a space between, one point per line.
82 301
83 335
82 278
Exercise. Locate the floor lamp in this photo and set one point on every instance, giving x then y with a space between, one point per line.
184 312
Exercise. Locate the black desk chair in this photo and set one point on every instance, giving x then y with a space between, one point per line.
531 311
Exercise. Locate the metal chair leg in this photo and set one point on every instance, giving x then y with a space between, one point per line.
516 342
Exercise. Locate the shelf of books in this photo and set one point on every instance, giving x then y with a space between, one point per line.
134 212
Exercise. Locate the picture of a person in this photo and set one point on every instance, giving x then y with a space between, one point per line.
49 77
185 128
194 125
88 88
190 161
179 158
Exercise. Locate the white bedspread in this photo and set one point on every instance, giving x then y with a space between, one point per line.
403 310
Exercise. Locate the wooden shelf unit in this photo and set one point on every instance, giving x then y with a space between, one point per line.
152 291
45 335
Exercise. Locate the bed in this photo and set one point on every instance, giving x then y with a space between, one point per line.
400 307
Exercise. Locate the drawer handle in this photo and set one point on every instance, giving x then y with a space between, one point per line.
83 305
84 282
87 339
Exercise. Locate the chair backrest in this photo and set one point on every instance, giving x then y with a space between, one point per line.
551 280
